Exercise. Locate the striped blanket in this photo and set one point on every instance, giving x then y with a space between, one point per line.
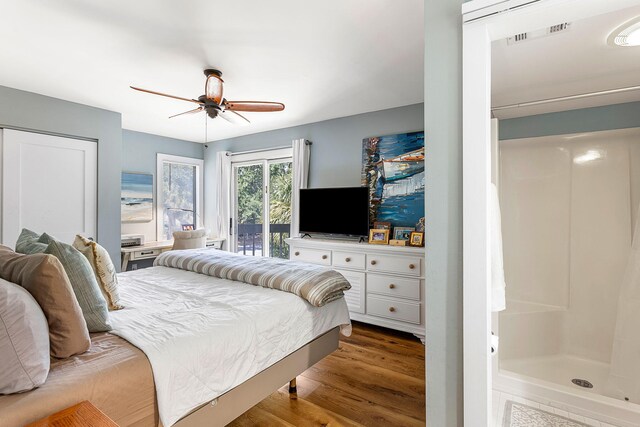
316 284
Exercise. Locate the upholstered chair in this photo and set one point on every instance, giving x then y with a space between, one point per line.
193 239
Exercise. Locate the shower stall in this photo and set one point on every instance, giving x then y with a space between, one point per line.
571 329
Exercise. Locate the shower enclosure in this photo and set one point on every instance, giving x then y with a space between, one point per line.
571 330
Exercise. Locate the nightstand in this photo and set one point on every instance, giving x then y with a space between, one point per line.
84 414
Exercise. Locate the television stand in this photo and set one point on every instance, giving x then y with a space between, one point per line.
362 239
306 235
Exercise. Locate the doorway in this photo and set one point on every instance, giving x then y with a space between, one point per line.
261 204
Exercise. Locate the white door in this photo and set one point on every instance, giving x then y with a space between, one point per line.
49 184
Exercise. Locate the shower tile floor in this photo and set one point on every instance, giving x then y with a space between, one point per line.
561 369
500 400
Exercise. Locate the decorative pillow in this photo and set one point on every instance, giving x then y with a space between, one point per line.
28 243
83 282
43 276
24 340
103 269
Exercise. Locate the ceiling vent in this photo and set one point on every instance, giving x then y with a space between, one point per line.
531 35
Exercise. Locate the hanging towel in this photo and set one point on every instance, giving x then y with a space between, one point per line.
497 266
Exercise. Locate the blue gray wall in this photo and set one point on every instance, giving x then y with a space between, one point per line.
139 152
336 154
33 112
443 142
618 116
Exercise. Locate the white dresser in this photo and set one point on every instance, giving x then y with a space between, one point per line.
387 282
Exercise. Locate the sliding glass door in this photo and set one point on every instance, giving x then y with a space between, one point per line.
262 207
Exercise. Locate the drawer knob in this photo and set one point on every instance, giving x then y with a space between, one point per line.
347 259
411 266
374 262
297 253
324 257
392 286
392 309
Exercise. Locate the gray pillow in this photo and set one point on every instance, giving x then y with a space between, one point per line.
24 340
28 243
83 282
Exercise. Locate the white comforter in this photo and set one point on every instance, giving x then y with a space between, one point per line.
204 335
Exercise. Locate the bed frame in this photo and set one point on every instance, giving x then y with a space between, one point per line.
229 406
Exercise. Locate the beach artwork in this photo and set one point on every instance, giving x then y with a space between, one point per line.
136 199
393 170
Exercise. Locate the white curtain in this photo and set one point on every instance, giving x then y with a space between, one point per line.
223 191
624 375
301 155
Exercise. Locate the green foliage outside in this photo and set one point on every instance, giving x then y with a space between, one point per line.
250 201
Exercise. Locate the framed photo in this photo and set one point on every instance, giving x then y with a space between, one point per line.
416 238
379 236
382 225
188 227
402 233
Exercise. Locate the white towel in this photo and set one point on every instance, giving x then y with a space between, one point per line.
497 266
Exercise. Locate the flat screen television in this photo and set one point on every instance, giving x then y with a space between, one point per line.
343 210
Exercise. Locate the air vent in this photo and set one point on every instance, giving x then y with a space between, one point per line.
531 35
557 28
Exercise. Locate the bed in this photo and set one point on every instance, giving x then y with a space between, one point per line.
206 350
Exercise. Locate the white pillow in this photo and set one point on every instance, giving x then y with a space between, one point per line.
24 340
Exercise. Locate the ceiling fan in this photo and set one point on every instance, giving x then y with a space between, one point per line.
215 105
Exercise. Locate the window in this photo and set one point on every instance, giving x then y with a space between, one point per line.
261 203
179 195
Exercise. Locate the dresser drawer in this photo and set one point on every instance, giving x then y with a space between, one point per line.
393 308
314 256
348 260
394 264
146 253
403 287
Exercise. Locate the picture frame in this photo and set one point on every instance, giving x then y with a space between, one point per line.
136 197
416 238
382 225
379 236
403 233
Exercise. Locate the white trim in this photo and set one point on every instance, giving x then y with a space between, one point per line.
477 38
479 9
476 177
168 158
280 153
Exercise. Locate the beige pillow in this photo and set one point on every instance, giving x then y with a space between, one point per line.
43 276
24 340
103 269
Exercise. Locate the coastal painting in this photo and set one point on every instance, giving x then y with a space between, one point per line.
136 197
393 170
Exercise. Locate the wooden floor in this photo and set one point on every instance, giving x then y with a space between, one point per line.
375 378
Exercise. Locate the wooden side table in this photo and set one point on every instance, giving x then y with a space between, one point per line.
84 414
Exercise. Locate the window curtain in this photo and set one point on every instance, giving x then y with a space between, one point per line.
301 155
223 191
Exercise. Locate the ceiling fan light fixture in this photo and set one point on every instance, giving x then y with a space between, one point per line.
626 35
213 88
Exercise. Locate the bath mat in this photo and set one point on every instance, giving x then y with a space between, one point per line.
520 415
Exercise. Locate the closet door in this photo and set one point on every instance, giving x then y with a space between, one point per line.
49 184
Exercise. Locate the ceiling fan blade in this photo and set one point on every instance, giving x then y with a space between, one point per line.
213 88
164 94
195 110
256 106
233 117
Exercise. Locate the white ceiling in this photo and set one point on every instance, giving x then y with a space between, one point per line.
574 62
323 59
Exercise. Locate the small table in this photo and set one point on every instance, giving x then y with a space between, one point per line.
151 250
84 414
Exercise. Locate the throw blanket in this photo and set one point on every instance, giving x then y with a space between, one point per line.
316 284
